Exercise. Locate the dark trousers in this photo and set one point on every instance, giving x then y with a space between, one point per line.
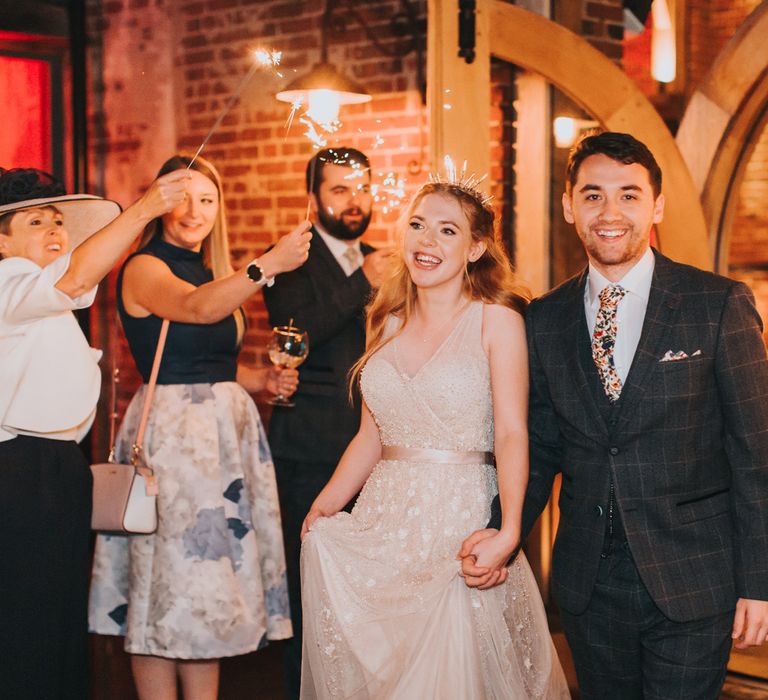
624 647
45 515
298 484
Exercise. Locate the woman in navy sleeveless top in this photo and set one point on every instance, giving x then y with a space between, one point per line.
211 581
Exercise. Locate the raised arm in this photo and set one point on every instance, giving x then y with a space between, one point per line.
149 286
317 304
92 260
356 465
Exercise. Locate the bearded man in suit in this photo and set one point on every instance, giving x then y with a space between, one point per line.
325 297
649 388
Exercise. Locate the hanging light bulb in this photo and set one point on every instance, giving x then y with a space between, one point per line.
663 50
323 107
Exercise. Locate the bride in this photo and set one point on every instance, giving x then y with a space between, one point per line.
445 384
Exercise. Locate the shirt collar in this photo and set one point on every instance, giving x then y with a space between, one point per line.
637 281
337 247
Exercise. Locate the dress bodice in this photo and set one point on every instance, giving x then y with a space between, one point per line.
194 352
447 404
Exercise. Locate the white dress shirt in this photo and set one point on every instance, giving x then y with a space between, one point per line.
49 376
339 249
630 313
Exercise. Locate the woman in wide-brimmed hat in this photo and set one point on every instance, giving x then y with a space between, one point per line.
54 250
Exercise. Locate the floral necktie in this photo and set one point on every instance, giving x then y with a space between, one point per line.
604 340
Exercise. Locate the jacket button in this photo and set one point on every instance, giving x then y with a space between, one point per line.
599 511
614 451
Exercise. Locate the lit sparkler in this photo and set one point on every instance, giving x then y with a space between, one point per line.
262 59
294 108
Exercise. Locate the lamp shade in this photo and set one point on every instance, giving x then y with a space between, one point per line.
324 76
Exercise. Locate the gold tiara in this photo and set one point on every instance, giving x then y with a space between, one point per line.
466 183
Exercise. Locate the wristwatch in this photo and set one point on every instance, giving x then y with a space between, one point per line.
256 274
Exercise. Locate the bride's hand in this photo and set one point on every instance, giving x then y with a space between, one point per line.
492 554
314 514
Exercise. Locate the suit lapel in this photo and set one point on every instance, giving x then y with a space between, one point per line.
575 340
325 257
660 317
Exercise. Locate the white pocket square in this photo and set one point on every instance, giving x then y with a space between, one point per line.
671 356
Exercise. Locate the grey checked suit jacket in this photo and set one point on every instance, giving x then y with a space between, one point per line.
687 445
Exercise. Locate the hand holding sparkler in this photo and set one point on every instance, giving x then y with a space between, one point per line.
290 252
163 195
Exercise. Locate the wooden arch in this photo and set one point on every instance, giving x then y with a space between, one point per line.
721 125
582 72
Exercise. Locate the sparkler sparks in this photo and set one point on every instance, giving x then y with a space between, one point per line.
269 59
390 193
294 108
318 141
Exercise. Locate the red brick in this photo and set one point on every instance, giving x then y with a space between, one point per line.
611 12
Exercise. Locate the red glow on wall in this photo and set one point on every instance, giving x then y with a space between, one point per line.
637 58
25 93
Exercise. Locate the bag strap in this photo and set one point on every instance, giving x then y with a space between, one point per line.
137 445
113 399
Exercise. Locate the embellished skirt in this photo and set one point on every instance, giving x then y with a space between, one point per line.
211 581
386 614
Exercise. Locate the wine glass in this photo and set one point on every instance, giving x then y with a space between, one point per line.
288 348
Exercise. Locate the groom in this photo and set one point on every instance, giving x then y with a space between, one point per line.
649 393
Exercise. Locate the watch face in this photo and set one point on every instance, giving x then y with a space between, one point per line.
254 272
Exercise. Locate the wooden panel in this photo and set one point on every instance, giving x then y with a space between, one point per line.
602 89
458 93
717 132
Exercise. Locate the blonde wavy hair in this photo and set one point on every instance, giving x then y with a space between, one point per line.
489 279
215 248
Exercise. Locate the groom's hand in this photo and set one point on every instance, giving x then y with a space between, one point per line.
476 576
750 624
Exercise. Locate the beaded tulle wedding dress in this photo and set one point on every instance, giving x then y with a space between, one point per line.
386 614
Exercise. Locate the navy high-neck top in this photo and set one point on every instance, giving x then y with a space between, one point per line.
194 353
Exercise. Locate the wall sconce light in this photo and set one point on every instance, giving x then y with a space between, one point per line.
568 130
325 89
663 51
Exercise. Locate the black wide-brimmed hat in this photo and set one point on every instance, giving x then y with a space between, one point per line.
30 188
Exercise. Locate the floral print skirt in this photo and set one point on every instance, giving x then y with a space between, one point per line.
211 581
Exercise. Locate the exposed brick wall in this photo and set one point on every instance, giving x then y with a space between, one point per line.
162 70
603 25
709 26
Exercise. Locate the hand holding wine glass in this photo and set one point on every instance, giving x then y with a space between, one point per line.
288 348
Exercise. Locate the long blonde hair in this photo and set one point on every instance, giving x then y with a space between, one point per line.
489 279
215 248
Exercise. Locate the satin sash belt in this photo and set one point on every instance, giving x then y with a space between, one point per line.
429 456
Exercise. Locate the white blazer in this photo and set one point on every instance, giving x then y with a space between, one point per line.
49 376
